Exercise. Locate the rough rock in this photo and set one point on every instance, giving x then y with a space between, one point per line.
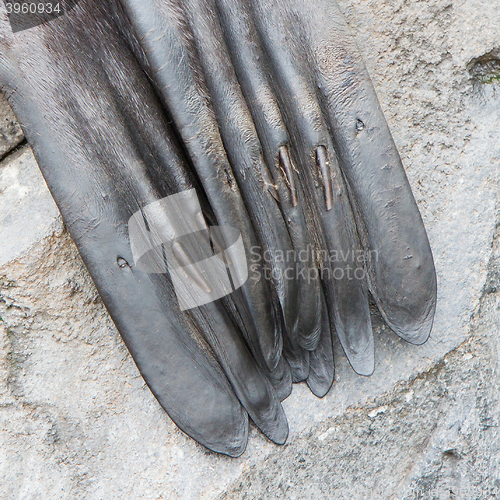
78 422
10 131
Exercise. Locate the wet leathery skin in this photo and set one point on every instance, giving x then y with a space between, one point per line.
264 107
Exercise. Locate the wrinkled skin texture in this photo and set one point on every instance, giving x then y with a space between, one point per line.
265 108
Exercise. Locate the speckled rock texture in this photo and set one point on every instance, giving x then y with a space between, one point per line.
78 422
10 132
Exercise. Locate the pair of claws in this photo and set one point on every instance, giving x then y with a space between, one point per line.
263 107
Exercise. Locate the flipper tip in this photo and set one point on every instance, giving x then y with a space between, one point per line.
232 444
414 332
363 361
281 433
319 387
414 328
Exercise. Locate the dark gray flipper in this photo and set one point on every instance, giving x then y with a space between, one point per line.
329 176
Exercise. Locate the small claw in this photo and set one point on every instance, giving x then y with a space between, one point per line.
271 189
287 168
324 167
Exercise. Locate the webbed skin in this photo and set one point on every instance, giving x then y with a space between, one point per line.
265 108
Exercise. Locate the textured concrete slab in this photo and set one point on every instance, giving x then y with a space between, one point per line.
78 422
27 211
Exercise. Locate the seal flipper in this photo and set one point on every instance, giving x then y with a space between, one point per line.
402 279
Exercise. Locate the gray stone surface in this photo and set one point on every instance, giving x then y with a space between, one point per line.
78 422
27 211
10 132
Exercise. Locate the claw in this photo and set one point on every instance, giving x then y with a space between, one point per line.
186 263
286 167
324 168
